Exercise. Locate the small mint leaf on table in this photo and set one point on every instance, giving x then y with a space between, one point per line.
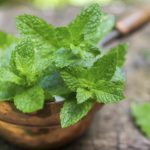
141 112
31 100
72 112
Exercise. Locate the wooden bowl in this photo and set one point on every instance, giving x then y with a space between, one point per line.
40 130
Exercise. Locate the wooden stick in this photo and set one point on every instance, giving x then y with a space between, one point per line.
134 21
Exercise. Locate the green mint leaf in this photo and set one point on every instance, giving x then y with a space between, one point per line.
31 100
105 91
7 43
85 56
6 40
121 51
22 59
64 57
83 95
87 20
71 81
109 92
73 57
92 49
119 75
107 23
29 64
104 68
141 112
63 36
40 32
7 91
93 24
7 76
99 25
43 66
72 112
76 78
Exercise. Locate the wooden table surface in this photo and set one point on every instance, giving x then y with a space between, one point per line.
112 128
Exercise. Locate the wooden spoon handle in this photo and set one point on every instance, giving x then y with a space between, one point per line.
134 21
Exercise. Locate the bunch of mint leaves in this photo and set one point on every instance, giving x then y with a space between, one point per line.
47 61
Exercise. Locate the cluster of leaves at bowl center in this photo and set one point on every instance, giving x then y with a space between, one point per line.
46 62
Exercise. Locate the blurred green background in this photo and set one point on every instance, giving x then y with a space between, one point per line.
45 4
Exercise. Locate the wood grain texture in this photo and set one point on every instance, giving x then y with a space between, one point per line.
112 128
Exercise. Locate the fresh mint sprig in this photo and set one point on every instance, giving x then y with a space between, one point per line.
50 61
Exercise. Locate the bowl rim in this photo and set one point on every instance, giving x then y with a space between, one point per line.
10 114
52 119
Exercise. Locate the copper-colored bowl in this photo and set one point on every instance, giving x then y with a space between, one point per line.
42 129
